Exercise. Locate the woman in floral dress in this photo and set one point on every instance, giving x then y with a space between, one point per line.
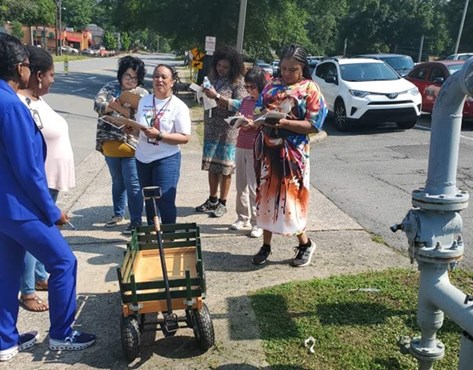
282 155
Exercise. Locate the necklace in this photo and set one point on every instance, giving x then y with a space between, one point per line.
157 115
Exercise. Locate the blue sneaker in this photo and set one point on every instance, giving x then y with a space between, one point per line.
27 340
75 342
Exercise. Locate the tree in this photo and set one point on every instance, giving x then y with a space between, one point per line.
30 12
78 14
126 41
109 41
16 30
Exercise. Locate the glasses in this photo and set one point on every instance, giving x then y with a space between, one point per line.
250 86
129 77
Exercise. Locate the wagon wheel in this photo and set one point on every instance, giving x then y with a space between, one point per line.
203 328
130 332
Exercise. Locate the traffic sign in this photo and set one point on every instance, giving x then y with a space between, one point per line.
197 64
210 42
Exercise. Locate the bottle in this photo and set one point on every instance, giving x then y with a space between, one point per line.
206 83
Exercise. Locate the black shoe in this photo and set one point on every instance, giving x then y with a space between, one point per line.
303 255
207 206
131 227
262 255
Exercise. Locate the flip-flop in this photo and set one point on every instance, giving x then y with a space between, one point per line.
33 304
41 285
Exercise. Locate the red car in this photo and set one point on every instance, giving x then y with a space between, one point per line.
429 77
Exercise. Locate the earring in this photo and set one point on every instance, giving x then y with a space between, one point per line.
40 85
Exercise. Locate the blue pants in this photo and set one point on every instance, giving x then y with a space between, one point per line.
125 188
47 245
165 174
34 270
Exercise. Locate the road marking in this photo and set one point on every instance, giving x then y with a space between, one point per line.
76 90
91 78
429 129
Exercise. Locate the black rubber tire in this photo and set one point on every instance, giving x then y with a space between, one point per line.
130 333
406 125
340 116
203 328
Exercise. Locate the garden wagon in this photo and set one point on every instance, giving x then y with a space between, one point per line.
163 272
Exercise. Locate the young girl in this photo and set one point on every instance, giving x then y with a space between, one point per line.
255 80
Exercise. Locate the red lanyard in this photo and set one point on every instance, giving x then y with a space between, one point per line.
159 114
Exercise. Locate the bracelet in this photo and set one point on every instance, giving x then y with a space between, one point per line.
217 97
160 136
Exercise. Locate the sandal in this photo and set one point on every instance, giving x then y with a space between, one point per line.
41 285
34 304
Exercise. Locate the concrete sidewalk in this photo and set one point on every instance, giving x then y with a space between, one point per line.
343 247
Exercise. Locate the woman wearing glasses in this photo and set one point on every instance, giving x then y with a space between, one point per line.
117 146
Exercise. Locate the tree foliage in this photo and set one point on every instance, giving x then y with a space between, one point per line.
322 26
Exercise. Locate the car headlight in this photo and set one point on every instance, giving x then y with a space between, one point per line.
358 93
414 91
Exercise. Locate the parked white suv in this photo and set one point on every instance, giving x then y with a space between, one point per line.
367 90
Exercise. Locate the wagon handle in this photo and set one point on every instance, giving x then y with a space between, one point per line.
152 193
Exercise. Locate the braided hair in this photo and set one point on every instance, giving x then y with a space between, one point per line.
12 52
297 53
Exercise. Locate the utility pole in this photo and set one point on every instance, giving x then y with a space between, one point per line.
461 27
59 4
419 59
241 25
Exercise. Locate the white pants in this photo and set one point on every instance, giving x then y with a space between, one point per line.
245 185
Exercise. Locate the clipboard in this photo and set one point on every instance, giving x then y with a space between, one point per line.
119 122
129 99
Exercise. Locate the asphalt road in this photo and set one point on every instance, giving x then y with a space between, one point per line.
370 172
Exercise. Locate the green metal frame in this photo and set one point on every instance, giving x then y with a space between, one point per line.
173 236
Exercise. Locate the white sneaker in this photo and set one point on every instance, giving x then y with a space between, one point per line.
256 232
27 340
238 225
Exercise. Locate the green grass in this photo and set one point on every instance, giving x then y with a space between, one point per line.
62 58
354 330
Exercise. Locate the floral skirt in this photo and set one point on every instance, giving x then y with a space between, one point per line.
283 181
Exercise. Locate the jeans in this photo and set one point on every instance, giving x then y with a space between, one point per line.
34 270
125 188
165 174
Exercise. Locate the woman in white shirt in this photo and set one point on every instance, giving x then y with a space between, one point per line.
167 125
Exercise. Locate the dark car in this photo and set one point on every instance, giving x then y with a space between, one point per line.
429 77
401 63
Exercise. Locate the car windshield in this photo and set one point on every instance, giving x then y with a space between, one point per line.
454 68
367 72
264 65
399 63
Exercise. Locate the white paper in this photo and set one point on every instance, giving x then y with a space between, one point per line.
200 96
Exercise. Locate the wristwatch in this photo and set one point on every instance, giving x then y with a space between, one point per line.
160 136
217 97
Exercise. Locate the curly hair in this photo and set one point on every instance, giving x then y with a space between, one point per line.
297 53
237 67
12 52
136 64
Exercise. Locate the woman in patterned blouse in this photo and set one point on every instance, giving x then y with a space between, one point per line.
282 155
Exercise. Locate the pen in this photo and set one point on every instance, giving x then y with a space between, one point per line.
71 225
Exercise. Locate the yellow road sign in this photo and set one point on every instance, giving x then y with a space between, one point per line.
197 64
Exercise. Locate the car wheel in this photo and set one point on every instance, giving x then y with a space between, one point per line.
340 116
405 125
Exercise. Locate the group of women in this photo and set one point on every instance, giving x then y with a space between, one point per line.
278 153
147 157
281 148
